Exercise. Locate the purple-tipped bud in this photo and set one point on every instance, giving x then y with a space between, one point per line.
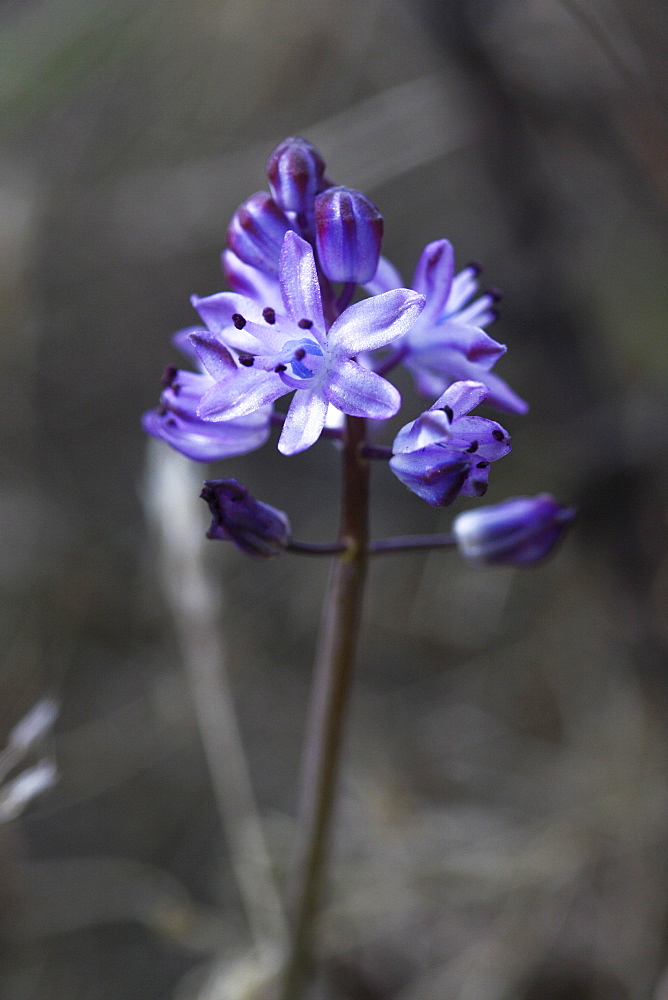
256 232
517 532
254 527
296 175
349 232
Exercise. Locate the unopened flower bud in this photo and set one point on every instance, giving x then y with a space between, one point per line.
349 232
254 527
296 175
256 232
517 532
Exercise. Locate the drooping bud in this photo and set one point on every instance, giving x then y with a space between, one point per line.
296 175
349 233
256 232
517 532
254 527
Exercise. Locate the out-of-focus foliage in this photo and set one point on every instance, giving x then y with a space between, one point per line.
502 830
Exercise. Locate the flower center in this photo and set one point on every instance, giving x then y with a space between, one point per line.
299 361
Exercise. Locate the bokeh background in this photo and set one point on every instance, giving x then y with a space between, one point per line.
503 823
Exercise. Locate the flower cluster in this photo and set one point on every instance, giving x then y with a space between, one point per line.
317 313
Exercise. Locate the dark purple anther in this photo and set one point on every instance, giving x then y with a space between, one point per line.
256 232
254 527
349 233
517 532
296 175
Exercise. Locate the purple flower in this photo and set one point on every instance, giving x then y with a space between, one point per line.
254 527
445 453
448 342
517 532
293 349
175 420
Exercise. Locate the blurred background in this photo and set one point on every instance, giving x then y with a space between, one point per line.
503 823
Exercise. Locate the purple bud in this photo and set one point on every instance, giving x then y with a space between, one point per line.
254 527
349 232
517 532
296 175
256 232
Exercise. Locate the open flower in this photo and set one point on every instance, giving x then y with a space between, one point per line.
448 342
445 453
293 349
176 422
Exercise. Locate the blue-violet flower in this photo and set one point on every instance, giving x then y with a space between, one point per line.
448 342
445 453
293 349
176 421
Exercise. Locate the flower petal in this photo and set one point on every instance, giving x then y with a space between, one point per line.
374 322
250 282
361 393
299 283
206 441
213 355
240 322
433 277
460 398
304 422
244 392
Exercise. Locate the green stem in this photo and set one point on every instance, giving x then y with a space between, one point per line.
331 687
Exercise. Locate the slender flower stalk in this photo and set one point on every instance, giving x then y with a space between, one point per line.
327 712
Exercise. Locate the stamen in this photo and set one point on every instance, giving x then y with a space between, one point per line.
247 360
280 368
473 447
481 465
498 435
448 412
305 324
269 315
480 488
238 321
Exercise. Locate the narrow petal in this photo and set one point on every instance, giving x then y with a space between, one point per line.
248 281
304 422
433 277
374 322
299 283
385 279
471 341
430 428
244 392
181 339
213 355
464 287
460 398
361 393
206 441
